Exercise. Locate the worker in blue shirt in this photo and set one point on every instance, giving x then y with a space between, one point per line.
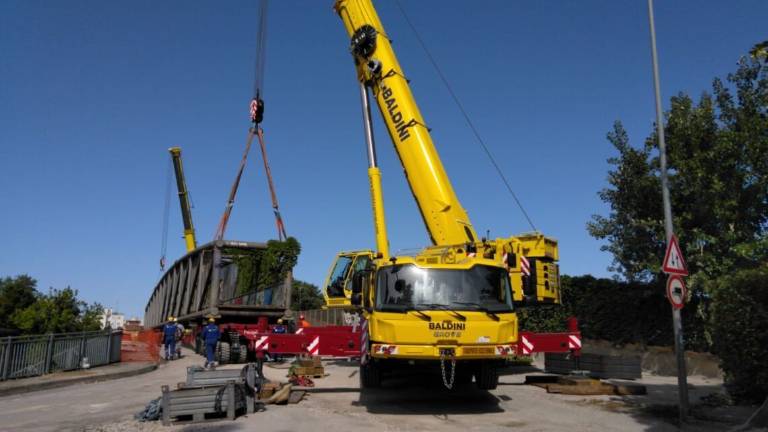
211 338
280 328
169 338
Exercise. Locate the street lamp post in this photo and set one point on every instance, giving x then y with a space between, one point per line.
677 323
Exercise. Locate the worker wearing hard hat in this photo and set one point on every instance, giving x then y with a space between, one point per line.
169 338
211 338
179 336
280 327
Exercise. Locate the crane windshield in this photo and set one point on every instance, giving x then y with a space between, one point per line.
407 286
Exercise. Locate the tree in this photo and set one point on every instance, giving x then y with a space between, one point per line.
305 296
59 311
15 293
740 332
718 175
760 51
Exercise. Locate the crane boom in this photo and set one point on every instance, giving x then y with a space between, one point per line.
530 258
378 68
186 212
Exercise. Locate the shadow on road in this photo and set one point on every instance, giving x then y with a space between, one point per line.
426 395
657 411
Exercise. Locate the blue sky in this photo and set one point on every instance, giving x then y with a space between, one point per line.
92 94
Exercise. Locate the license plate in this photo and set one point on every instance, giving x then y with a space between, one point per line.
478 350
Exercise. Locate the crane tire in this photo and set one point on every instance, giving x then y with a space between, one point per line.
224 352
487 376
242 355
370 375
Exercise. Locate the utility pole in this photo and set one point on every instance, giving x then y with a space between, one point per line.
677 323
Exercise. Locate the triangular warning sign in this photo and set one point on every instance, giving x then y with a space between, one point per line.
673 259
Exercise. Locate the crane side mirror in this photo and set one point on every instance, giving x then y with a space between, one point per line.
356 299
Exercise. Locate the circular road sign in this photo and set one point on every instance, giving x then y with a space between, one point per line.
676 291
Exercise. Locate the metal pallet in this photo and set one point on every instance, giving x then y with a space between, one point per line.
198 402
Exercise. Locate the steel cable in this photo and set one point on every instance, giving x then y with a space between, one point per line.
166 216
464 113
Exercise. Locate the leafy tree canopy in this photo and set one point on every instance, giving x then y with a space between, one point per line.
305 296
24 308
717 151
15 293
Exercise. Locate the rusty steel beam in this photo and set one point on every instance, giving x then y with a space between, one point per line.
204 282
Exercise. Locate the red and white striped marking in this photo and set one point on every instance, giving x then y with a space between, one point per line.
314 347
300 331
386 349
526 344
504 350
525 266
574 342
261 343
363 340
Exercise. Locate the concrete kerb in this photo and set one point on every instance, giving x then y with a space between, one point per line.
63 379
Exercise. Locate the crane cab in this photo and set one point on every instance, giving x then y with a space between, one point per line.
337 289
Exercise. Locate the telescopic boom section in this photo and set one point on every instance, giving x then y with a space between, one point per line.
377 66
186 212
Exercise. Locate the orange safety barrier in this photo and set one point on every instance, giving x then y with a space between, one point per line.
140 346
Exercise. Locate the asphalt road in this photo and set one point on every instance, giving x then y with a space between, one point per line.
413 403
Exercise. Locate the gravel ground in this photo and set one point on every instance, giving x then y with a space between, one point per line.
414 403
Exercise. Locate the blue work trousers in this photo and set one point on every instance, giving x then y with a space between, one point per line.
210 352
170 349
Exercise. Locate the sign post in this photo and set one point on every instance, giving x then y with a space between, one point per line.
674 263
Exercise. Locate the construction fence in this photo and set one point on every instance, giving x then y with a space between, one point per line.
141 346
27 356
319 317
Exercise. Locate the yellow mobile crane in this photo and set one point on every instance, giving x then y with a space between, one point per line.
451 303
186 212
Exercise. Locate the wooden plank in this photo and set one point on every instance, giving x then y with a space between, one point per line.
582 390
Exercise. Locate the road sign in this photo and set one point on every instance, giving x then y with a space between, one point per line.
676 291
673 259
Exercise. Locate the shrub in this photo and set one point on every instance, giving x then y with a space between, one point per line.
616 311
739 324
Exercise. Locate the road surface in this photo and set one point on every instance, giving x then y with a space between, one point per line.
413 403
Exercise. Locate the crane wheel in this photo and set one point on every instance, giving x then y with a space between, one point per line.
462 379
242 355
370 375
487 376
224 352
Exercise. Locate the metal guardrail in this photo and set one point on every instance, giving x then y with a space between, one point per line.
28 356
